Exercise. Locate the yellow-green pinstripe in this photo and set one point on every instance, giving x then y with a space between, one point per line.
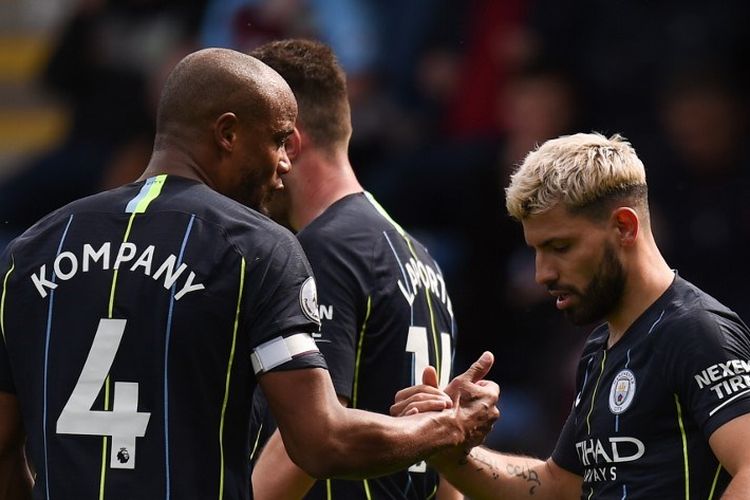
713 485
355 389
230 363
684 446
140 208
435 341
2 299
593 396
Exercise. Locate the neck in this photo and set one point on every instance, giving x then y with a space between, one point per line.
179 162
322 180
647 280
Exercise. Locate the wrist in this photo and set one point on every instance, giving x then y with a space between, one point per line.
449 458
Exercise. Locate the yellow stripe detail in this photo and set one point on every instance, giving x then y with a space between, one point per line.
367 489
684 446
257 439
593 396
434 492
5 291
713 485
329 495
355 390
382 211
110 312
114 277
435 341
229 377
153 191
410 245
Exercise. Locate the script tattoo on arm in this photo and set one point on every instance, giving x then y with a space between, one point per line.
531 476
523 471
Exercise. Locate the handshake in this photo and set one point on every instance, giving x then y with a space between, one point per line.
469 401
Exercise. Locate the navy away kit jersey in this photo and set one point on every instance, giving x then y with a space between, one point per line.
385 315
133 322
647 406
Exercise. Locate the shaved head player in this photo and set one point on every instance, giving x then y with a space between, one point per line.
136 323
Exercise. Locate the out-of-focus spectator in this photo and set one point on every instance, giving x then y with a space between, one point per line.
101 67
704 174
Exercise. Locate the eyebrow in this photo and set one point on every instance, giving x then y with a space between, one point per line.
549 241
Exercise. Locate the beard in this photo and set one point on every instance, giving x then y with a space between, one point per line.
254 191
277 207
604 292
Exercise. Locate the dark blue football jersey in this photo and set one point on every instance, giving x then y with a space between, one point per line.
385 315
132 324
646 407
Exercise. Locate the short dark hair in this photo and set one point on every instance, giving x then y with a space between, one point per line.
319 84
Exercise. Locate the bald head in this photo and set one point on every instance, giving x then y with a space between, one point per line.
210 82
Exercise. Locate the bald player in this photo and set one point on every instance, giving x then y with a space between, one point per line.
137 322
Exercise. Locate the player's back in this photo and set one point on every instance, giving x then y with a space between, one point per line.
127 319
385 315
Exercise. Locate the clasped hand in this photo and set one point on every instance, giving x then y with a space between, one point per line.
472 399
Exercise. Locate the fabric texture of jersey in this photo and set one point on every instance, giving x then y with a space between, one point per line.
385 315
646 407
128 319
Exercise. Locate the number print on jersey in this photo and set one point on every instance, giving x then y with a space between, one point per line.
124 423
417 343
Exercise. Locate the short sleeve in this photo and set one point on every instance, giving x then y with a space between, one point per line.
709 365
340 297
281 300
564 453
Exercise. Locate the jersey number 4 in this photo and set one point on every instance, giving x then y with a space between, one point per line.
124 422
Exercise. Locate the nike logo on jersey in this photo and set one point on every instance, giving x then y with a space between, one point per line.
68 264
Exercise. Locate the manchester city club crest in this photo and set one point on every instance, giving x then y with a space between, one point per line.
622 392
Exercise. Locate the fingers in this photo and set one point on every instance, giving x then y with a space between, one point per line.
480 368
420 398
429 377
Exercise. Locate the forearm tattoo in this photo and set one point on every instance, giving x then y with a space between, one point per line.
480 463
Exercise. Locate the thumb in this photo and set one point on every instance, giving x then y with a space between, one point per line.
429 377
480 368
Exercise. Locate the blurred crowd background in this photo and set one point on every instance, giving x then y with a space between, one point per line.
447 97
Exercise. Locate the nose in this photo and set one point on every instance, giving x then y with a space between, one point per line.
285 165
545 272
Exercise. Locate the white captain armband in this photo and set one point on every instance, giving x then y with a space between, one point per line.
280 350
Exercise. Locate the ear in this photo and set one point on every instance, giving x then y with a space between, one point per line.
294 144
225 131
627 225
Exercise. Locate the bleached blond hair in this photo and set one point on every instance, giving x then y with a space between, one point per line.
580 171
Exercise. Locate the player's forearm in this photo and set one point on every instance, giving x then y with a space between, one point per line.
483 474
15 477
738 487
363 444
276 476
446 491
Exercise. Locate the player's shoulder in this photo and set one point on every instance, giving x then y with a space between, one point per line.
60 217
350 223
357 225
690 313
